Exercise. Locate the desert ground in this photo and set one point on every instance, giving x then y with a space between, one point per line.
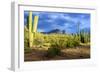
80 52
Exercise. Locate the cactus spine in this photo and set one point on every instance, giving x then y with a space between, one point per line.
32 29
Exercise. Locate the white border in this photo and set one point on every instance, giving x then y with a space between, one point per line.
14 36
18 50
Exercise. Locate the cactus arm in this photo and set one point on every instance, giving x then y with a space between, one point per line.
35 23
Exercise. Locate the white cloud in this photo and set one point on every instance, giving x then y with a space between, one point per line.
40 30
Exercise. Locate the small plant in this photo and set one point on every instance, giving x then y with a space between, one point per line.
53 52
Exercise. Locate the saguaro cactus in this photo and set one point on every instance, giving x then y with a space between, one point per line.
35 23
30 30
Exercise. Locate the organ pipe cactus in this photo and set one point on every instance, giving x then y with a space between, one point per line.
32 29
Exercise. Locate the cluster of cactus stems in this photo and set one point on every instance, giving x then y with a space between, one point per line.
32 28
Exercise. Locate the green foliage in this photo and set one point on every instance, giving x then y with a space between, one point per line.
59 41
73 41
38 39
84 37
53 52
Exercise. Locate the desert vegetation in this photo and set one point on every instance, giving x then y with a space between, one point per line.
48 46
54 46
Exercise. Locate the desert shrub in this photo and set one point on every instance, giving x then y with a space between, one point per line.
53 52
63 40
46 38
72 41
69 43
76 41
58 40
59 43
62 43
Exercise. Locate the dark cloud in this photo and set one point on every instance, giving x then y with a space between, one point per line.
63 21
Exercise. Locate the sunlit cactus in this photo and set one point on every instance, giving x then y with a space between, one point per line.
30 30
35 23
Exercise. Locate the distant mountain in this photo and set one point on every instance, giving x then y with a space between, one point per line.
85 30
53 31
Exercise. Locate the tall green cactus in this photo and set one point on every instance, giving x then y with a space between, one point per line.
35 23
32 29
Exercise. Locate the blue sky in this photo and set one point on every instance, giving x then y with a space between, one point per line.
58 20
